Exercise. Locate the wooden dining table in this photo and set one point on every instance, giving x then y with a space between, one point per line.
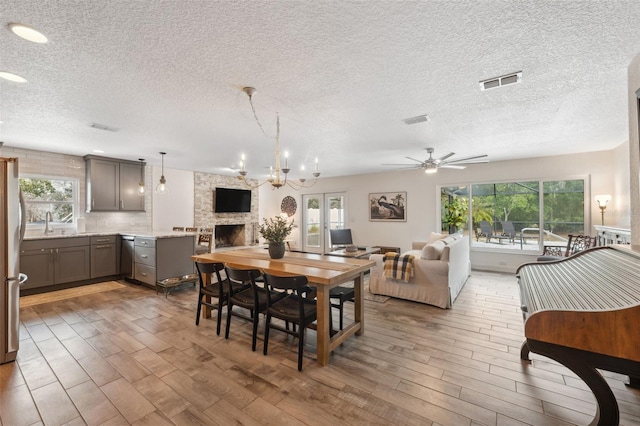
323 272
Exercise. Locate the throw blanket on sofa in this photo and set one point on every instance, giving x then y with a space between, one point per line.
398 267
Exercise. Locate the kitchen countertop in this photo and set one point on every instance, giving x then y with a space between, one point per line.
147 234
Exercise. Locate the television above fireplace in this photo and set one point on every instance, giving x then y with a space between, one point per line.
228 200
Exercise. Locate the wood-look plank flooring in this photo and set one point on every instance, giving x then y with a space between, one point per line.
131 356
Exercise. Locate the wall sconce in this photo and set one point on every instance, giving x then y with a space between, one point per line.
602 203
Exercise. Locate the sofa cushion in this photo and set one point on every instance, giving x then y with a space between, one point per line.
433 251
445 253
435 236
449 239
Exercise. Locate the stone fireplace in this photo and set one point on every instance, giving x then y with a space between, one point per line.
229 235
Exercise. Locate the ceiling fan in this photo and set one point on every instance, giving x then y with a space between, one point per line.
431 165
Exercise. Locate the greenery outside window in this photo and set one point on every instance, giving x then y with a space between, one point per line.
49 194
517 203
521 214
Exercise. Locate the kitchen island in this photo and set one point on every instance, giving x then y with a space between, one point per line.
57 261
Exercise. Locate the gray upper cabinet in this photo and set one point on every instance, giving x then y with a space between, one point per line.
130 199
112 185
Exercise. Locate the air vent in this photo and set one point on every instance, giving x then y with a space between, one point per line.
417 119
103 127
505 80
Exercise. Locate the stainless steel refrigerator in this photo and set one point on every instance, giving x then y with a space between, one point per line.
11 233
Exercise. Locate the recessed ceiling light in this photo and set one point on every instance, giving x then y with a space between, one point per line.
417 119
103 127
28 33
12 77
98 151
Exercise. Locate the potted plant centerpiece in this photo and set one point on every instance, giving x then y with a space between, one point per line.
275 230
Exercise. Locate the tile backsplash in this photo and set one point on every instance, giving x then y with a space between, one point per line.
40 163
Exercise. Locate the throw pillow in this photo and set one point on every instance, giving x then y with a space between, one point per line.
433 251
435 236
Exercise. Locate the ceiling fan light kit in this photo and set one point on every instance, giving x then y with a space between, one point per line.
431 165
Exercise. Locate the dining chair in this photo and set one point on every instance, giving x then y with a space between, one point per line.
294 308
217 287
254 299
575 244
204 242
341 294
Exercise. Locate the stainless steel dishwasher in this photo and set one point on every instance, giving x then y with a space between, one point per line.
127 254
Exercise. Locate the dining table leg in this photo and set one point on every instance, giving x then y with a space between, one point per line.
323 310
358 285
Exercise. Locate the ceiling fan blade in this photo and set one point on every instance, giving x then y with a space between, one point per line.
445 156
405 165
450 166
413 159
458 160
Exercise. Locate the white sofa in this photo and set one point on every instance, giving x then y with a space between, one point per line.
441 268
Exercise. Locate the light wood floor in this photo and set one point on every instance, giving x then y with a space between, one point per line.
129 356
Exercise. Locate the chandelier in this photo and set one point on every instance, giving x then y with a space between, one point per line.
278 176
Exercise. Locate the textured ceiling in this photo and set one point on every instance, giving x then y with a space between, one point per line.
342 75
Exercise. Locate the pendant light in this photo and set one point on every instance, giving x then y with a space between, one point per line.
162 186
141 183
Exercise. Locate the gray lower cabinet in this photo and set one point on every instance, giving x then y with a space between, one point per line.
55 261
104 256
159 258
38 266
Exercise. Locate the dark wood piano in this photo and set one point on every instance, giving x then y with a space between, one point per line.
584 312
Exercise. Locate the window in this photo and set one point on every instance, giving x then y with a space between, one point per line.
519 215
49 194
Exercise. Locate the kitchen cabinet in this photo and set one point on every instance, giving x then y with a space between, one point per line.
158 258
112 184
104 256
55 261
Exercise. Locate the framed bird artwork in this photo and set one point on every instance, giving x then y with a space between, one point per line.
388 206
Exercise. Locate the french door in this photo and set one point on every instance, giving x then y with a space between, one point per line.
320 213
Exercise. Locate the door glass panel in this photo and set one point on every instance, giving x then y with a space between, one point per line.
312 223
336 215
321 213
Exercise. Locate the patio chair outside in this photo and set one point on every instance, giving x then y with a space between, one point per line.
487 231
508 230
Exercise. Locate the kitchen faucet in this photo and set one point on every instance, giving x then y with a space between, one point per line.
48 218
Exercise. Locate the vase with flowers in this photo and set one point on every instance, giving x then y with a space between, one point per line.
275 230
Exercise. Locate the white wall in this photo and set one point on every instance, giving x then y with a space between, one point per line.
177 206
618 212
605 170
634 149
